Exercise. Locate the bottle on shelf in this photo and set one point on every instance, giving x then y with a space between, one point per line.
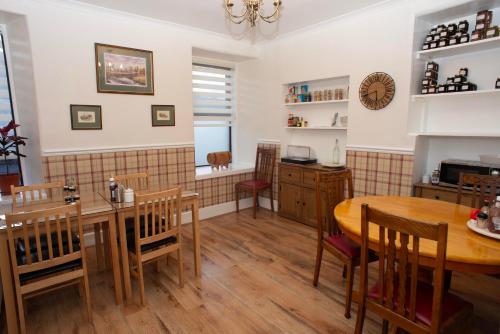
336 152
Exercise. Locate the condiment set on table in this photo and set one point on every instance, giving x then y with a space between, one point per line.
486 220
70 192
118 192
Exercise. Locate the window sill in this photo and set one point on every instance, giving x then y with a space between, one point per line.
206 172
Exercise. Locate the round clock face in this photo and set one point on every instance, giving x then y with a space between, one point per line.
377 90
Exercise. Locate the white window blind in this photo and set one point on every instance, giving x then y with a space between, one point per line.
213 102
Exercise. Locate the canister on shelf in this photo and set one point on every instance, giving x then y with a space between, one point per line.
442 88
440 28
482 25
492 32
484 15
454 40
428 82
425 90
433 45
459 78
433 31
464 71
432 66
426 46
429 38
432 89
463 26
476 35
467 86
443 42
452 28
431 74
497 85
436 38
465 38
452 88
444 34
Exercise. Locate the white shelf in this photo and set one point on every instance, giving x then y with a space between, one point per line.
317 128
460 49
456 134
448 95
315 102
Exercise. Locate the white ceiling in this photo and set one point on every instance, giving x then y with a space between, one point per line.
210 14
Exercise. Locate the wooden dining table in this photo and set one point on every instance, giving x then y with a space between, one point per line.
467 251
125 210
95 210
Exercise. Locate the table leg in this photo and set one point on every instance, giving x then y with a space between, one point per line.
107 249
8 286
123 246
115 260
98 246
196 237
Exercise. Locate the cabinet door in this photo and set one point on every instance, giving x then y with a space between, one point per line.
290 204
309 207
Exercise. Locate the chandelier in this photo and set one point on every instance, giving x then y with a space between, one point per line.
253 12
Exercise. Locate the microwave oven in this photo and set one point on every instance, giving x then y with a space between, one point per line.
451 169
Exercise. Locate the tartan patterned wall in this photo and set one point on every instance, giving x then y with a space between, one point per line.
376 173
174 166
91 171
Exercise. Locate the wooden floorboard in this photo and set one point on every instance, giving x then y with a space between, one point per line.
257 278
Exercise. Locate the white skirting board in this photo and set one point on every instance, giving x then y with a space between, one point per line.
208 212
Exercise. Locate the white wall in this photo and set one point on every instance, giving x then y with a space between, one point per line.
62 36
375 39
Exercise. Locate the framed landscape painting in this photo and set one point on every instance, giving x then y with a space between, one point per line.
163 115
123 70
85 117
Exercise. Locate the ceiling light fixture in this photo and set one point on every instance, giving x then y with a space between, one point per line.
253 12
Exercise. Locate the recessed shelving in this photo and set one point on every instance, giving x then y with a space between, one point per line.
460 49
451 95
317 128
456 134
315 102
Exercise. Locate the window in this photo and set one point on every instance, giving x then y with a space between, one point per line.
213 106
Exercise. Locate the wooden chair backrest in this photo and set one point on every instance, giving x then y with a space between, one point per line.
44 225
330 191
135 181
484 188
401 229
36 192
264 164
155 206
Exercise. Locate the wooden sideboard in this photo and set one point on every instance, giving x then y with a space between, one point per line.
447 194
297 193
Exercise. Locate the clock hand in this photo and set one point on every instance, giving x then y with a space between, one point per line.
369 93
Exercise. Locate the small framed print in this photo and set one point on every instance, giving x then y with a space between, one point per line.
85 117
163 115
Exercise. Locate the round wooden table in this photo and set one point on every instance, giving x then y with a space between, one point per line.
467 251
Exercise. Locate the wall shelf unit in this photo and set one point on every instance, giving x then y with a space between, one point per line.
460 49
455 134
452 95
317 128
315 103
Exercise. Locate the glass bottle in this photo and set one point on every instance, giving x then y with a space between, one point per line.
495 215
336 152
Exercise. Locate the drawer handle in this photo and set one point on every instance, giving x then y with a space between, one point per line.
436 197
289 174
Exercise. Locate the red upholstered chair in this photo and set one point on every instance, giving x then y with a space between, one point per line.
330 191
262 179
398 296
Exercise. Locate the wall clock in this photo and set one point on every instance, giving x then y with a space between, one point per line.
377 90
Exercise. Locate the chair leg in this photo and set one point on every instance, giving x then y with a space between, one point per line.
254 204
86 288
360 319
20 308
181 266
319 257
385 326
271 197
348 289
140 277
237 193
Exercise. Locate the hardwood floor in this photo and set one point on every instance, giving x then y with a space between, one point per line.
257 278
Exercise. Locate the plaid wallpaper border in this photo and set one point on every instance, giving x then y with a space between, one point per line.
92 171
376 173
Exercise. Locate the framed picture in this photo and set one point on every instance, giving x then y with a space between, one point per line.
85 117
163 115
123 70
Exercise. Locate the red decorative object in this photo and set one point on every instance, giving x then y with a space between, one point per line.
9 144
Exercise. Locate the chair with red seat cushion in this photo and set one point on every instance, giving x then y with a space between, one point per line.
262 178
330 191
415 307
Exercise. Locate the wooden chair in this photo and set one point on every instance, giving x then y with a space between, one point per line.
262 179
155 232
47 252
484 188
36 192
135 181
398 296
330 191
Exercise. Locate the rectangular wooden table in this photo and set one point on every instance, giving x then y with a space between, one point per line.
124 210
95 210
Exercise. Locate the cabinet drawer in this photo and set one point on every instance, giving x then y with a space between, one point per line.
441 195
290 175
309 179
